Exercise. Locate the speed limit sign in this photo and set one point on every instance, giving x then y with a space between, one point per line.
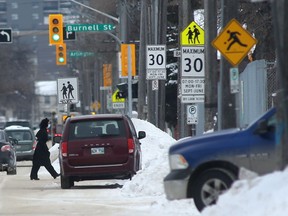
156 57
192 62
156 62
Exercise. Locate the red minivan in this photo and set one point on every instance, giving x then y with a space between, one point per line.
103 146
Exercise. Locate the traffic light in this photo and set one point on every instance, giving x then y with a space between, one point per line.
123 90
55 29
61 54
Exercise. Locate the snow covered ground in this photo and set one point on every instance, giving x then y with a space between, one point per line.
250 196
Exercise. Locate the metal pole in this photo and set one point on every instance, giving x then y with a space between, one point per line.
156 9
129 82
100 12
142 57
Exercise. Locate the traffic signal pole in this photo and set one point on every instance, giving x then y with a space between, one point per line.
122 21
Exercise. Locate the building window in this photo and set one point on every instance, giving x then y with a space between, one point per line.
14 5
35 16
3 18
3 7
47 100
50 6
14 16
35 5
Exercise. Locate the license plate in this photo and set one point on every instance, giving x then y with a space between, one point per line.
98 150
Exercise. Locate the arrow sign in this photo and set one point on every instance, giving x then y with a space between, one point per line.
5 35
68 35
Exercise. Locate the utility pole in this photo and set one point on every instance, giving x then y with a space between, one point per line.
226 103
185 17
151 40
211 64
279 12
142 65
162 40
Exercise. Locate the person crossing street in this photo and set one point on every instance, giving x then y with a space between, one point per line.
41 155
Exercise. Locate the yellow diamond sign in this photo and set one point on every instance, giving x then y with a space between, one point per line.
193 35
116 99
234 42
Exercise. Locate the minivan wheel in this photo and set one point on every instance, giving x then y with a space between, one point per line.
11 171
209 186
66 182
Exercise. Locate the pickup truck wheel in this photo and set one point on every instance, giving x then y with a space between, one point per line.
209 186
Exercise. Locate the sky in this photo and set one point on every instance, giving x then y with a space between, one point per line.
250 196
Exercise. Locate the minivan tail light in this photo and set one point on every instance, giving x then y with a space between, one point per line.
5 148
131 146
64 149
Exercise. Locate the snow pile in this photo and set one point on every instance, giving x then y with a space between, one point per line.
260 196
155 165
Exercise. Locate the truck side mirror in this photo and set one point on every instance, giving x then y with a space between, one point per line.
262 127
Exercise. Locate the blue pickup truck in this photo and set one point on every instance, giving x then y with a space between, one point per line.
205 166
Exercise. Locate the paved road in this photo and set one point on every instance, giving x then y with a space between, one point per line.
21 196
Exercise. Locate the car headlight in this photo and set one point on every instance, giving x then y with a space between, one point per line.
177 161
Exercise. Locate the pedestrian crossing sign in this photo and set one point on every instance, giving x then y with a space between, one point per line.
234 42
115 97
193 35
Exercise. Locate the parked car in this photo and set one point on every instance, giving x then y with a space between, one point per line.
2 122
26 141
104 146
7 155
204 167
23 123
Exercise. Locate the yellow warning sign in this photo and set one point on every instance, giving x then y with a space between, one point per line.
116 99
234 42
193 35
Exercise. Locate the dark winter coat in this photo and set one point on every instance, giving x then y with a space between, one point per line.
41 154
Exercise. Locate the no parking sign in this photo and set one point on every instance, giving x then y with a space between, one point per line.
192 114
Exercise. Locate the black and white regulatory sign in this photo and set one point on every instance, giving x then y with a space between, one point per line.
156 62
6 35
68 35
192 62
192 114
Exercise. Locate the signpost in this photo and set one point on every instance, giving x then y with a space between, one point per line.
234 42
192 73
76 54
6 35
89 27
156 62
194 86
67 89
68 35
117 103
192 62
192 114
234 80
193 35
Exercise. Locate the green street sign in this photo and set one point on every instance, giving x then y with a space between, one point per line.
89 27
80 54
